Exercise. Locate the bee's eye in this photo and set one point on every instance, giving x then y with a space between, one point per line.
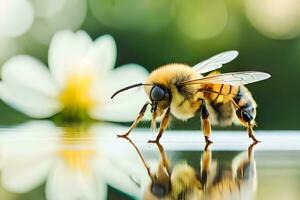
157 93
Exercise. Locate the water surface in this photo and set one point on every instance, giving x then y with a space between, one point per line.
39 160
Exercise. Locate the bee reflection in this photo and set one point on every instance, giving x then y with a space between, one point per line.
183 182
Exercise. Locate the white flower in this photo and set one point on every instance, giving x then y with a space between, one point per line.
74 163
80 80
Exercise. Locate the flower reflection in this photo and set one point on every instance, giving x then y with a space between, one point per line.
79 84
213 181
74 161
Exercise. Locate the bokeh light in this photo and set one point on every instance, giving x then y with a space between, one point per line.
145 16
8 48
47 8
70 16
202 19
16 17
277 19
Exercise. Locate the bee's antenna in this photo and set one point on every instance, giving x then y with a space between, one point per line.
129 87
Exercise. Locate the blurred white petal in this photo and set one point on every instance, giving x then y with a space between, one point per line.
123 172
22 173
28 87
31 137
47 8
127 105
26 167
26 70
101 56
110 159
71 16
69 184
16 17
66 52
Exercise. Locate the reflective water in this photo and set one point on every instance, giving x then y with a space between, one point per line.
39 160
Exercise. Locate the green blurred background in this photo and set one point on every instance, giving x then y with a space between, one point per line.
154 33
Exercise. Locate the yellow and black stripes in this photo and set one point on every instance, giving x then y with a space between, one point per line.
220 93
247 106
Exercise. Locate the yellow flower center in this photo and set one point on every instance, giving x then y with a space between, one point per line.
76 97
78 160
77 151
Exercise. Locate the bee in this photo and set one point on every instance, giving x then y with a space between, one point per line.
182 91
184 182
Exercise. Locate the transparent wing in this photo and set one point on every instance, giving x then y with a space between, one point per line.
215 62
234 78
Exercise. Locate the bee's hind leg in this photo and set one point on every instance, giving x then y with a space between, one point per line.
206 126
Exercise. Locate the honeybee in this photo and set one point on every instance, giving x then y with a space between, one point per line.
184 182
182 91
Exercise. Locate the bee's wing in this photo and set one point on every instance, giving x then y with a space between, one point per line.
234 78
215 62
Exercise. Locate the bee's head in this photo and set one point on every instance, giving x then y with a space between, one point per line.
159 93
160 97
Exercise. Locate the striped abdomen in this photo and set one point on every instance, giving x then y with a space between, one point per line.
247 106
225 99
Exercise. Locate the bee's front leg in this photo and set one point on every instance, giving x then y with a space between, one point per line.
247 119
163 125
251 134
137 120
206 126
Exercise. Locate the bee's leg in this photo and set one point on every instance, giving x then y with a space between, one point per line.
250 133
164 158
250 150
245 165
247 119
163 125
137 120
206 126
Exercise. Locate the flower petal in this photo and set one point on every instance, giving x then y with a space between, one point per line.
25 152
123 107
102 55
66 53
69 184
22 173
123 169
28 87
111 151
